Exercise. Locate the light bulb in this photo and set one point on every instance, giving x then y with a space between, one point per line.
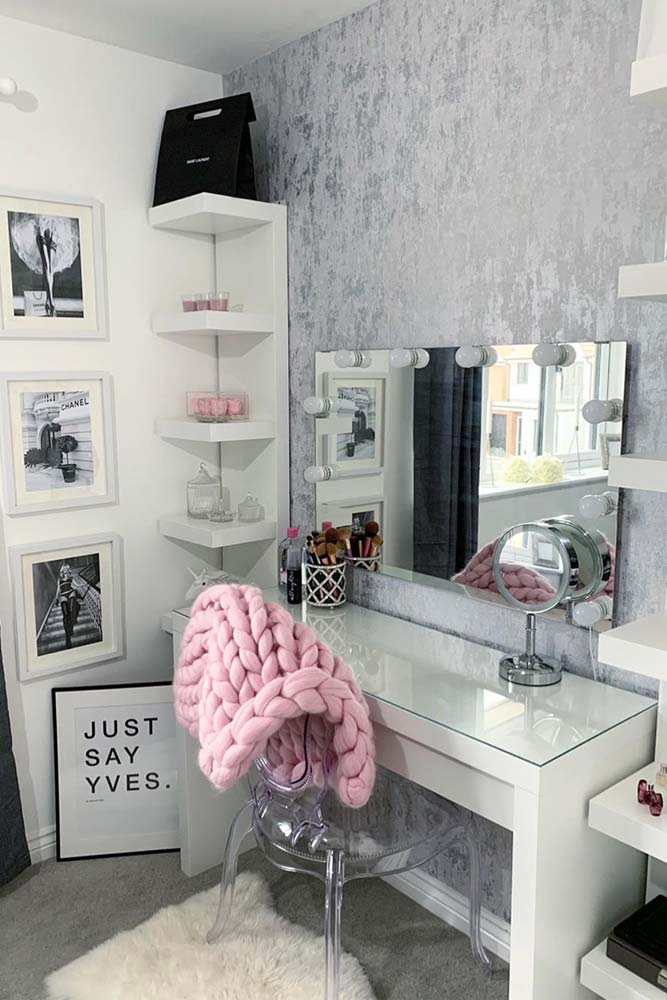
595 505
352 359
476 357
589 613
320 473
599 411
8 86
560 355
324 406
408 357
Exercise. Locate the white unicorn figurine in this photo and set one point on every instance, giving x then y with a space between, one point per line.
206 578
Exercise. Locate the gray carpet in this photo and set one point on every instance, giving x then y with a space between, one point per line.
55 912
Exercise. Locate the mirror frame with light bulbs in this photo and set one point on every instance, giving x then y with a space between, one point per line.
331 417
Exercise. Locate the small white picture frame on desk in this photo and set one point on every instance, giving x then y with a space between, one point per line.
363 448
56 432
52 267
68 604
116 770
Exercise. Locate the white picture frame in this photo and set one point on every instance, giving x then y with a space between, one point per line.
66 624
116 770
75 282
80 406
363 509
370 393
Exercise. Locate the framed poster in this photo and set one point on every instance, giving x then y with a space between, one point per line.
68 604
57 438
115 770
52 267
363 447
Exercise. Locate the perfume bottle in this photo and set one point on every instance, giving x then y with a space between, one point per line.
286 544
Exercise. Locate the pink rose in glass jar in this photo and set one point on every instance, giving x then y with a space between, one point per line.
219 407
236 406
198 407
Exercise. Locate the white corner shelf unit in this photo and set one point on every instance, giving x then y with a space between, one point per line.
213 322
213 534
617 813
249 246
639 472
214 433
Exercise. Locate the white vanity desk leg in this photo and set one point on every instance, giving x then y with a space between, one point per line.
570 884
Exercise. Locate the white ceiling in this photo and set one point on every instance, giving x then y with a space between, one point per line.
217 35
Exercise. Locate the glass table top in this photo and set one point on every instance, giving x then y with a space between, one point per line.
454 683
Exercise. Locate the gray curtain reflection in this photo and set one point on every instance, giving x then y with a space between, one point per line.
447 428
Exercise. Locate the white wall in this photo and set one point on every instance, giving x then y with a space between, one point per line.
95 132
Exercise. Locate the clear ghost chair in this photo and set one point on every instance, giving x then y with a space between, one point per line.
302 827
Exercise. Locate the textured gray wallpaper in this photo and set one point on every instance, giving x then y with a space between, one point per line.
466 171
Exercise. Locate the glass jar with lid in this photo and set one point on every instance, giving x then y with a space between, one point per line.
203 493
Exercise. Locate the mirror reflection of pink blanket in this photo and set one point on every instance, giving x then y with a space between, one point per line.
523 582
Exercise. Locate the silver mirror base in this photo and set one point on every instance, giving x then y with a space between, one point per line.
529 671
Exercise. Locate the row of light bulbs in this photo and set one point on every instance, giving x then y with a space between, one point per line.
471 356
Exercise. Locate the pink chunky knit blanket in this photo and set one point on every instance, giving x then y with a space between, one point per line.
247 676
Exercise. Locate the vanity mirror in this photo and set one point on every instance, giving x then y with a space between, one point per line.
449 447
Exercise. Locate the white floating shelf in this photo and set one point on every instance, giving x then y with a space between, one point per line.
213 534
213 214
212 321
649 80
643 281
610 980
233 430
640 646
617 813
639 472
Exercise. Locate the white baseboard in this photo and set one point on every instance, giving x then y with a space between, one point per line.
452 908
42 845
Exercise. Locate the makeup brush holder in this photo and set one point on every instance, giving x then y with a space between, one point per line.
372 564
325 586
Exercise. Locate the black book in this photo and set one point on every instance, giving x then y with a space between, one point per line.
639 943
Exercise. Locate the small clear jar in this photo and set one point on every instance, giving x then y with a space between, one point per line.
203 493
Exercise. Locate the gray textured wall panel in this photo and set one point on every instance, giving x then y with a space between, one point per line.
465 171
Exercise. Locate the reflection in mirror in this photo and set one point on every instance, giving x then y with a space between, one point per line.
448 454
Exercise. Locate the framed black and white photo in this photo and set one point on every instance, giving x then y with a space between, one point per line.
116 770
68 609
357 512
363 445
57 438
52 267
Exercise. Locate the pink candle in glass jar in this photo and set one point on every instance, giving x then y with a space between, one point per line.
235 406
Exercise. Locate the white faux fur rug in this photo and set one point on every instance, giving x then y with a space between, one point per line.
261 956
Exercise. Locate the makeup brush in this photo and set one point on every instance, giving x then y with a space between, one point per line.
331 552
331 535
376 545
372 529
321 551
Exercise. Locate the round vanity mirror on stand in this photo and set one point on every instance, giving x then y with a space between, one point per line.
538 566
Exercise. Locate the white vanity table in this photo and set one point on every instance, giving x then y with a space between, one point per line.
529 760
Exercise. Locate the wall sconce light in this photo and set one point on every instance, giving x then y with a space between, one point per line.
476 357
323 473
599 411
352 359
589 613
408 357
556 355
324 406
8 86
595 505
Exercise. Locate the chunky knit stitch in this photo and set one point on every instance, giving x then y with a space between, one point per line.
247 676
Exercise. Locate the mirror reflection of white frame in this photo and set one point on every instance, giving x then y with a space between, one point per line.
343 512
368 393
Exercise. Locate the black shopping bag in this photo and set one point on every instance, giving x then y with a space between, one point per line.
207 147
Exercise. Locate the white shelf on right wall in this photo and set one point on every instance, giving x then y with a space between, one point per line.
639 472
647 282
639 646
608 979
